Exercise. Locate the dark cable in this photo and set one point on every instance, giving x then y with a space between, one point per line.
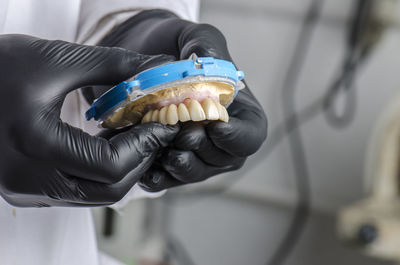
342 85
365 32
302 210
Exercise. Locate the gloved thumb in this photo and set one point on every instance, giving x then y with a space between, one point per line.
109 66
73 66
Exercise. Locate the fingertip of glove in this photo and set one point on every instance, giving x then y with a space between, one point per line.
184 166
236 137
170 129
190 137
164 133
219 129
175 160
152 181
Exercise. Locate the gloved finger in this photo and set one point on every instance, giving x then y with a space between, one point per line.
186 167
203 39
157 179
141 141
51 186
63 187
96 158
111 193
109 133
96 65
93 92
117 65
193 137
239 137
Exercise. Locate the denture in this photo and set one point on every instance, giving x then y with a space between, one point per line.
191 102
201 93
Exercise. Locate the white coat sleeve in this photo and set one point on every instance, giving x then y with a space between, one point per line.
98 17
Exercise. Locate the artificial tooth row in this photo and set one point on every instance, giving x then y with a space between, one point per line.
207 110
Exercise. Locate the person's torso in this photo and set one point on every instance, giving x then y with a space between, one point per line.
62 236
45 235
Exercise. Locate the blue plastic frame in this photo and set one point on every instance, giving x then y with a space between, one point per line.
202 66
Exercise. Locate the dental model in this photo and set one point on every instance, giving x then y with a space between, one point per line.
197 89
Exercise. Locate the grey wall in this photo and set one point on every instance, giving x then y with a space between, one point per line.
261 36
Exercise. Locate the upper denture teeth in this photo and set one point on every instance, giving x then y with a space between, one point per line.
154 116
210 109
163 115
172 114
147 116
223 113
183 113
196 111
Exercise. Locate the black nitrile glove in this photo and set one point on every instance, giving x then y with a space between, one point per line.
46 162
200 150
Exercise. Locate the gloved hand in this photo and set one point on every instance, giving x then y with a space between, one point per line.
46 162
200 151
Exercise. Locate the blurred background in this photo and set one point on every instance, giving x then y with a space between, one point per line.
243 217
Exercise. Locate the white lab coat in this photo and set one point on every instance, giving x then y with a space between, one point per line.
65 236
